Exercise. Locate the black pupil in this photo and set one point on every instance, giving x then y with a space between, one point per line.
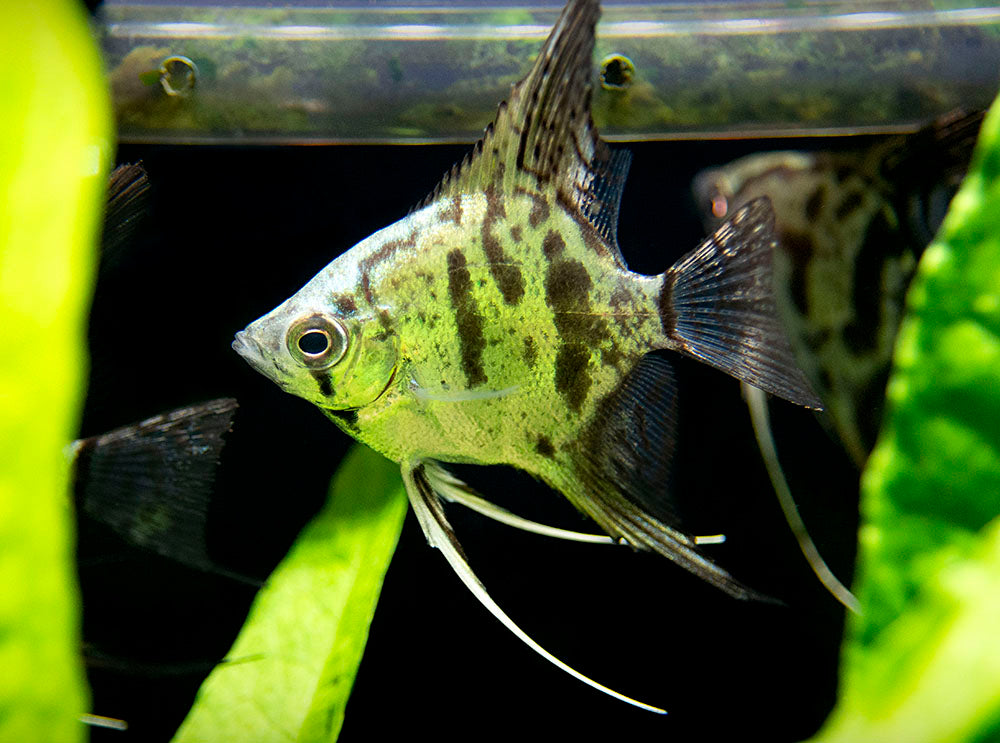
313 342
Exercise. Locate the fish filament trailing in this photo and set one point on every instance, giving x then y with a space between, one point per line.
498 324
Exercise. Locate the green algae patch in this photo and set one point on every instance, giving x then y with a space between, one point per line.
290 672
922 663
55 144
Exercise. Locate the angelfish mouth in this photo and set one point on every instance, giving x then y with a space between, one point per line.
251 352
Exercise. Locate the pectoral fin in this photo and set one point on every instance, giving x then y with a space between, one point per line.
430 514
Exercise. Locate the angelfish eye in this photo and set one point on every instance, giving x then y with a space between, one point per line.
720 205
317 341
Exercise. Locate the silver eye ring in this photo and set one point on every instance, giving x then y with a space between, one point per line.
317 341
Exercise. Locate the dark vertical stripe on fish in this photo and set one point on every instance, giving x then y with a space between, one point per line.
507 275
567 293
539 206
469 322
323 381
530 352
348 418
572 377
815 202
544 447
454 211
800 249
384 251
863 331
668 316
553 245
849 203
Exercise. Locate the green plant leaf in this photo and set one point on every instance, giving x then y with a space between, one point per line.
55 146
292 667
923 661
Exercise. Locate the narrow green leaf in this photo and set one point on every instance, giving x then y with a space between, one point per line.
292 667
55 144
923 661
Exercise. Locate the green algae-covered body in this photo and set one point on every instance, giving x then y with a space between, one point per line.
498 324
504 352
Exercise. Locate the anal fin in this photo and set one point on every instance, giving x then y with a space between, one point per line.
624 467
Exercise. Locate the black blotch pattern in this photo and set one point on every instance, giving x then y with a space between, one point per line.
799 248
467 318
544 447
862 333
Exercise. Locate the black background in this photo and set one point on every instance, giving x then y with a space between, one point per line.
233 232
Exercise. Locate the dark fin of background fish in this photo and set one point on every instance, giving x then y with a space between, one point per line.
927 167
151 482
543 137
625 463
128 200
718 303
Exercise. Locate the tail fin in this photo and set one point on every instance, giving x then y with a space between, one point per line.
717 305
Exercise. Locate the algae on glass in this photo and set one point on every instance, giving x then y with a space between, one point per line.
435 74
55 146
922 662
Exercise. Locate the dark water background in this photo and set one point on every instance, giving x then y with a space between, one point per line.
233 232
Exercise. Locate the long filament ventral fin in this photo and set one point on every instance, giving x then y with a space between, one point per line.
430 514
756 401
454 490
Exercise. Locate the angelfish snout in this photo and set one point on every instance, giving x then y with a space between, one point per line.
251 351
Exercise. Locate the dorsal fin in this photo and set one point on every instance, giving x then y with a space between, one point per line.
543 136
943 147
925 169
128 196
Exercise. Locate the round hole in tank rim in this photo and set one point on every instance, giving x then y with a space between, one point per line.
617 72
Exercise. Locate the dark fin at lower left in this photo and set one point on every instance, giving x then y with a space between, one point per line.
717 303
151 482
624 464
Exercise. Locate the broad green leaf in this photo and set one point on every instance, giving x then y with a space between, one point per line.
292 667
922 663
55 144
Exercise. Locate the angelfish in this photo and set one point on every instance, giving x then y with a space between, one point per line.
851 227
499 324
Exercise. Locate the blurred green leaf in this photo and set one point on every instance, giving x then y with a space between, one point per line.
292 667
923 661
55 145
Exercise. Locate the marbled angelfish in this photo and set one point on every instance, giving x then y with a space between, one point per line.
851 226
498 324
